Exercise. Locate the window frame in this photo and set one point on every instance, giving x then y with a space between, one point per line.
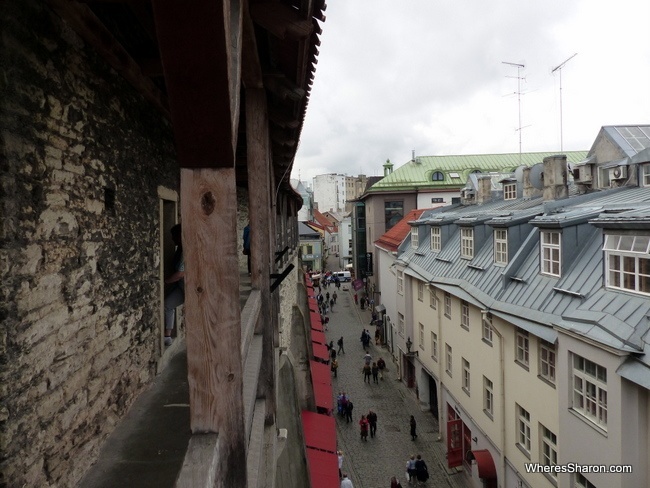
400 282
500 237
524 437
522 347
487 333
420 291
510 191
624 250
645 174
436 240
449 360
466 376
464 314
554 257
447 304
437 176
434 346
421 335
415 239
548 449
467 243
547 361
433 298
488 397
587 400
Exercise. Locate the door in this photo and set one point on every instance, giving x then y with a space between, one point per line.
454 443
433 397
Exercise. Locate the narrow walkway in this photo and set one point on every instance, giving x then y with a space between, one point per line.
371 464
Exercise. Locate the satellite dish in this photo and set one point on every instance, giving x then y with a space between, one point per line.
537 176
519 173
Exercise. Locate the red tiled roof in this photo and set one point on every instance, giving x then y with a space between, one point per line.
396 235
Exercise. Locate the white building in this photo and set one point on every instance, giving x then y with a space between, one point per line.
330 192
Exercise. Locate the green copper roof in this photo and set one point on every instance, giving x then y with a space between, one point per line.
456 169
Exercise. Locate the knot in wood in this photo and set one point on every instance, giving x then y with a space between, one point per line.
208 203
199 289
231 376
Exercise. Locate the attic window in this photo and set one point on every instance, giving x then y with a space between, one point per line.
627 263
509 191
437 176
454 175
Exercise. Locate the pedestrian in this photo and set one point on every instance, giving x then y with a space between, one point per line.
375 373
356 299
175 295
374 317
394 483
247 246
414 424
340 344
421 470
367 371
326 323
346 482
377 336
334 366
327 296
367 358
372 420
381 364
410 469
340 456
332 302
332 351
348 411
363 303
334 296
363 428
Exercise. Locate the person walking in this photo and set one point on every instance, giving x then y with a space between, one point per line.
421 469
340 459
367 371
334 296
334 366
332 302
372 420
363 428
349 406
414 425
375 373
340 344
394 483
410 469
346 482
356 299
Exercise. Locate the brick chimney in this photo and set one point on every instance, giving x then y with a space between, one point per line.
555 177
484 189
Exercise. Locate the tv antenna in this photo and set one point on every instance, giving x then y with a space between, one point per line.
519 78
559 68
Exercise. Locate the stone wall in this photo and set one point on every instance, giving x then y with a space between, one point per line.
81 158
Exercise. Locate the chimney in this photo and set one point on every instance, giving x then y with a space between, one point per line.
484 189
555 177
528 188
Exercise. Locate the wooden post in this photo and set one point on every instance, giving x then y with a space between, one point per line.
212 313
259 195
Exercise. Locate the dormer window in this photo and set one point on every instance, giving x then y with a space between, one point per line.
645 175
510 191
467 243
437 176
627 263
415 241
435 239
501 246
550 253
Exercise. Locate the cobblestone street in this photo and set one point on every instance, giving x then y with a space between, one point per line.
371 463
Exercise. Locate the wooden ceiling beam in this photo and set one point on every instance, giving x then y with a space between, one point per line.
251 68
281 21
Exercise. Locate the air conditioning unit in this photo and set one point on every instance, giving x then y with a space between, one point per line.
618 173
582 174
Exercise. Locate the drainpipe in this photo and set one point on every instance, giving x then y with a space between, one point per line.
441 420
502 374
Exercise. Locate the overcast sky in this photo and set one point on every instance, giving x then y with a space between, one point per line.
428 75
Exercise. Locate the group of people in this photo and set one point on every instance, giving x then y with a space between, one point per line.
368 423
344 406
416 470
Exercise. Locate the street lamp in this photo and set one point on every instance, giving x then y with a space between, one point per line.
408 345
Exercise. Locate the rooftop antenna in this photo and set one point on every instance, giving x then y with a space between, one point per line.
519 78
559 68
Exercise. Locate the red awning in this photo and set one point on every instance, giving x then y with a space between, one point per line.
323 468
485 464
322 383
320 373
315 321
317 336
319 430
320 351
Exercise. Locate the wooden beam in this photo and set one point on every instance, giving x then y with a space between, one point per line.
281 21
251 69
212 314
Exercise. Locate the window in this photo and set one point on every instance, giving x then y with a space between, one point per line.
309 249
467 242
434 346
550 243
420 291
590 390
432 297
437 200
466 376
488 397
464 314
415 241
547 360
421 338
510 191
437 176
645 175
447 304
501 246
448 359
582 482
628 263
522 353
393 213
523 429
400 282
400 323
435 239
548 452
487 328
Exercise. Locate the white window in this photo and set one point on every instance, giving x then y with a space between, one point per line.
548 453
432 297
434 346
510 191
464 314
628 263
466 243
501 246
400 323
550 248
523 429
448 359
466 375
590 390
420 291
435 239
400 282
645 175
415 241
582 482
547 360
522 352
487 328
421 338
447 304
488 397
